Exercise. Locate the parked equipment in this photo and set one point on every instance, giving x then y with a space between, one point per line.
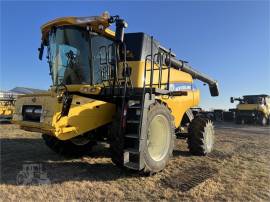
218 114
124 85
252 109
228 116
7 102
197 111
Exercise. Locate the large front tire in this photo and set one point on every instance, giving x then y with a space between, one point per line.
69 148
159 142
201 136
160 138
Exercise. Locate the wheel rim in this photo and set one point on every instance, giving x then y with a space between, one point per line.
158 137
264 121
209 136
80 141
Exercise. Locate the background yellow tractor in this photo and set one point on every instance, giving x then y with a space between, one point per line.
7 102
252 109
126 89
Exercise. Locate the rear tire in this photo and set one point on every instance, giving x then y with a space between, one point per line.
201 136
68 148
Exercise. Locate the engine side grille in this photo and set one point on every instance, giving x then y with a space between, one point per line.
31 113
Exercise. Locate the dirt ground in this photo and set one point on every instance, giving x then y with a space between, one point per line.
237 170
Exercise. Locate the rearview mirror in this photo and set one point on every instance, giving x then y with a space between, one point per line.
119 33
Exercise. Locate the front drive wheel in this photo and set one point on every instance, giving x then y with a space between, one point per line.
201 136
160 138
75 147
262 120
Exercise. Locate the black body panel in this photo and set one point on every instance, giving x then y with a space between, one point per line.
139 46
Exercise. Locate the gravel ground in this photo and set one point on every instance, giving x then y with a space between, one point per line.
237 170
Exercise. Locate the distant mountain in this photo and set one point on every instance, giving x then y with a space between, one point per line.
24 90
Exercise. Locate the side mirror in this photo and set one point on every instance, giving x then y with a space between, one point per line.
119 33
41 49
232 100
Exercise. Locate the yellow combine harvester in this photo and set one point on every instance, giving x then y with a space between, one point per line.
252 109
126 89
7 102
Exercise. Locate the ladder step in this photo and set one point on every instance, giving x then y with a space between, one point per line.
135 136
135 107
162 91
131 165
133 102
133 121
132 151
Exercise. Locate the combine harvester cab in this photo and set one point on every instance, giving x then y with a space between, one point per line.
126 89
72 122
252 109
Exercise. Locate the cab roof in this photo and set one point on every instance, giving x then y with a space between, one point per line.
98 24
261 95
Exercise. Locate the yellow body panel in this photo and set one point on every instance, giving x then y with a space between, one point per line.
85 115
49 106
83 118
265 109
137 75
93 22
180 104
247 106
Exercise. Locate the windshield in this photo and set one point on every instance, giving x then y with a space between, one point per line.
71 59
68 53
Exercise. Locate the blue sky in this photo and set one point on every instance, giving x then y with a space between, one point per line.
230 41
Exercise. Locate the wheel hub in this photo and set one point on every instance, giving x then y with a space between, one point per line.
158 137
209 136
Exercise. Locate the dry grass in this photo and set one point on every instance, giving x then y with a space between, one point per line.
237 170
